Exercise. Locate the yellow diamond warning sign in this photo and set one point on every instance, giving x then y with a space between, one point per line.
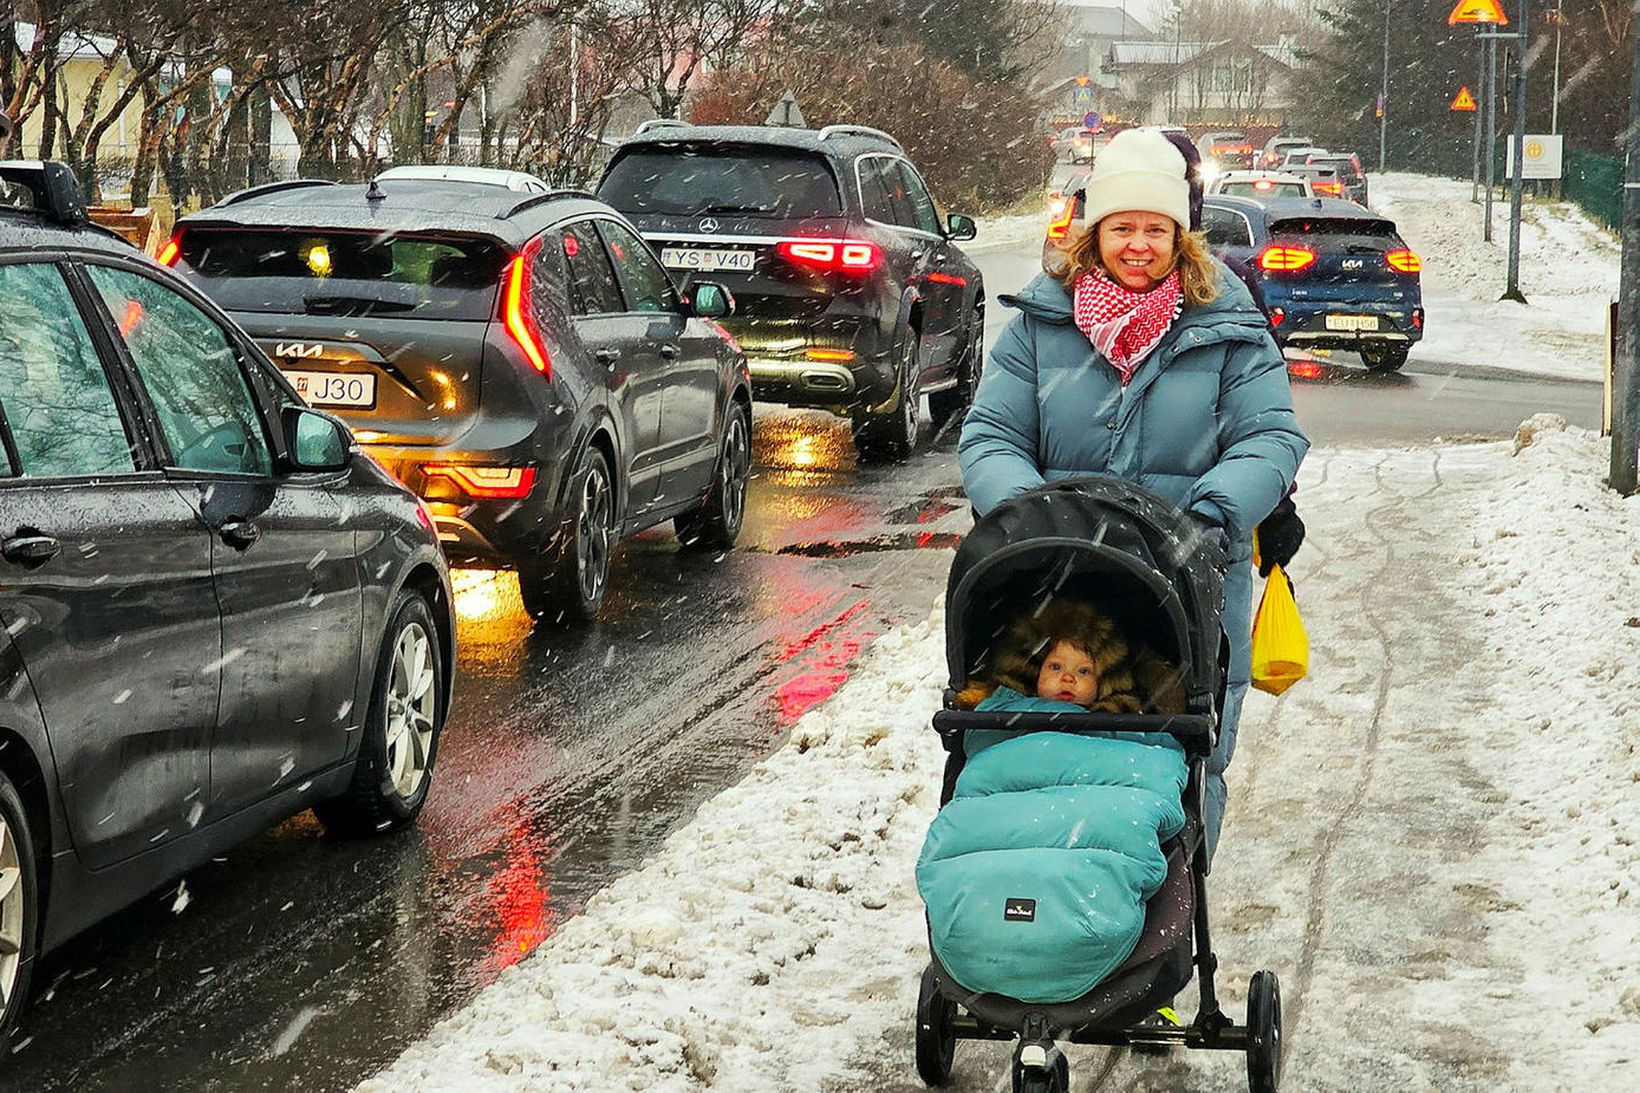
1464 100
1478 11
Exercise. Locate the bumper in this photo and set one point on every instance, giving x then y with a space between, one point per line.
1309 326
826 365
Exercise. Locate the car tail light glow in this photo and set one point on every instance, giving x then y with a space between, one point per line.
1405 261
516 313
488 483
1060 226
1417 318
829 354
168 253
1332 189
1285 259
832 255
1277 314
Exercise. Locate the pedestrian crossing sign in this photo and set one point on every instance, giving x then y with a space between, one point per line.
1464 100
1478 11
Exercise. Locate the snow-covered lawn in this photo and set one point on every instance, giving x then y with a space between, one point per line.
1435 840
1568 272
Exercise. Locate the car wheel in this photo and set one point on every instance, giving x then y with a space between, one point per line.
19 909
943 405
716 524
892 434
401 729
567 584
1384 358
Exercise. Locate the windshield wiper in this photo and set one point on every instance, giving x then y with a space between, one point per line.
351 305
728 208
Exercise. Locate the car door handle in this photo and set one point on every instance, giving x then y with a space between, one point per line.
29 549
240 534
607 355
669 351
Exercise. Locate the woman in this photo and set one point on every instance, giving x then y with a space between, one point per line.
1142 357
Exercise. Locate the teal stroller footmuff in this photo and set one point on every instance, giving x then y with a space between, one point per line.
1037 871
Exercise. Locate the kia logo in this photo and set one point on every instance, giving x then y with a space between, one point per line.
298 350
710 224
1354 263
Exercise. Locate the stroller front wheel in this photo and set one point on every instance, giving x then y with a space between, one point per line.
1264 1033
936 1039
1054 1077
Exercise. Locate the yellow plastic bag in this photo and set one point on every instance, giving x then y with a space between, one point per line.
1281 648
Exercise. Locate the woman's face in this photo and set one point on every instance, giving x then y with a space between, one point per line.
1068 675
1136 248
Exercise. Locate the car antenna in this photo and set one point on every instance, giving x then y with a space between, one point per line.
374 194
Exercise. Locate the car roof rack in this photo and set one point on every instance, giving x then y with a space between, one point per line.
53 188
541 199
270 188
857 131
660 123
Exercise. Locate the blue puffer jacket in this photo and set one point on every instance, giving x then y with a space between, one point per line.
1206 422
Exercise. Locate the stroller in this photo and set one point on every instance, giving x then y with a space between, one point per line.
1149 566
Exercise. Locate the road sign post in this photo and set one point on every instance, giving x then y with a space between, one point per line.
1511 289
1484 13
1625 458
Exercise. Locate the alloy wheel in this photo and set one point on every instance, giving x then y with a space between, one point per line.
592 533
736 469
412 699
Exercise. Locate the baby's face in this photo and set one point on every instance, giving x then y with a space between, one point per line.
1068 676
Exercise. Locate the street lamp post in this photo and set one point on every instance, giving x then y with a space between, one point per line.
1383 96
1518 160
1554 108
1625 457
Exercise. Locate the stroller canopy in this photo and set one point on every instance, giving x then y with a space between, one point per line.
1103 540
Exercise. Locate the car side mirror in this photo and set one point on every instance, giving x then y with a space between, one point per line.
316 441
960 227
710 300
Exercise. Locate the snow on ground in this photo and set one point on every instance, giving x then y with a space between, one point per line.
1568 272
1434 840
1007 232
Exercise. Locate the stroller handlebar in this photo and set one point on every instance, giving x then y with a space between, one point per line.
1195 732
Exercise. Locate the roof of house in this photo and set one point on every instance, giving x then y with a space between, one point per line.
1168 54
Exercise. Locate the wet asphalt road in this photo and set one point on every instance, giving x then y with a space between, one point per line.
303 963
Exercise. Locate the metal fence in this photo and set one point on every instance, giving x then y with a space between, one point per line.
1595 182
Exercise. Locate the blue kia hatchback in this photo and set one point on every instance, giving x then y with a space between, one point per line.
1334 275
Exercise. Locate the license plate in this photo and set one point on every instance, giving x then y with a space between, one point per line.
707 260
334 388
1352 322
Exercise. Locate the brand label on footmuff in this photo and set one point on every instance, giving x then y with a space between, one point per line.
1020 910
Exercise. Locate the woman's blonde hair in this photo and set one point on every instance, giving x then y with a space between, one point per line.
1079 254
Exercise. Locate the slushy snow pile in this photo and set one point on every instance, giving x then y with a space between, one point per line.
1568 273
1434 840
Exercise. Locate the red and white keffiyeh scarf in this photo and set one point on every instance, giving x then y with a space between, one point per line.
1122 324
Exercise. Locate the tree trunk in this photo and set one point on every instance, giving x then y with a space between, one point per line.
142 168
260 166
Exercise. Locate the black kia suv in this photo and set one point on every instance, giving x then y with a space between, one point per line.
852 295
521 360
215 612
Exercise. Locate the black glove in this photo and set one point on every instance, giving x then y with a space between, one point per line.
1279 537
1210 531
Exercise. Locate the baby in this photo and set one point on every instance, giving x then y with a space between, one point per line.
1070 653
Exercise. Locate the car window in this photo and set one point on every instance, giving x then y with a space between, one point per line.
899 201
1264 189
324 272
703 180
1226 228
54 394
648 288
191 373
874 196
592 286
924 215
1339 233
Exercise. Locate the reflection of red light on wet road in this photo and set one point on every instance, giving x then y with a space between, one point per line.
827 671
807 640
522 906
1305 370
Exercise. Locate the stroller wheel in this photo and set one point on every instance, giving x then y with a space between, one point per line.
1053 1077
936 1040
1264 1033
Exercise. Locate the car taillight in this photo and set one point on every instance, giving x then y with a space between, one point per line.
488 483
517 315
168 253
1336 189
1060 226
1285 259
1264 184
1405 261
1417 318
832 255
1277 314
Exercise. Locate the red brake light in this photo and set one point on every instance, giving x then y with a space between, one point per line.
1060 226
1277 314
1264 184
1405 261
1336 189
516 315
832 255
489 483
168 253
1285 259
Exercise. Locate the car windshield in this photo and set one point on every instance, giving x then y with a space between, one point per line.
689 180
1344 165
344 273
1337 233
1263 188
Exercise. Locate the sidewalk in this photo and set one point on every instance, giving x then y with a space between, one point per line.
1434 841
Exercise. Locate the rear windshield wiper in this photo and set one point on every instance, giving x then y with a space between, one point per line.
352 305
727 208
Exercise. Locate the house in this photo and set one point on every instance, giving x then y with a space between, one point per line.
1075 76
1203 83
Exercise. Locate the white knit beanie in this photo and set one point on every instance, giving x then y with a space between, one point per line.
1138 171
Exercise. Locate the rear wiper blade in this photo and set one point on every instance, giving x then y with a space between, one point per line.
738 209
351 305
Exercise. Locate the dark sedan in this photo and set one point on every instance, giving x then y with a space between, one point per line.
216 612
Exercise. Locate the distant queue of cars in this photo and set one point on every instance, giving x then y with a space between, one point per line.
1333 274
